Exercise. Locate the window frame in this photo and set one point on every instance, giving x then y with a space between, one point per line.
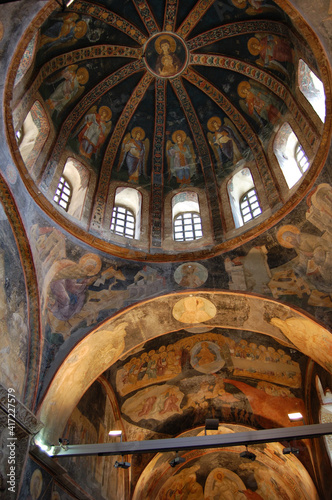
128 213
190 216
299 150
65 185
246 198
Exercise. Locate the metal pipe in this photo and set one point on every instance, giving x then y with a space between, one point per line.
194 442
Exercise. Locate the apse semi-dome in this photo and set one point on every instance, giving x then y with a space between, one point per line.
161 129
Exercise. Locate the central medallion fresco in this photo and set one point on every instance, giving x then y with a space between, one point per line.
165 55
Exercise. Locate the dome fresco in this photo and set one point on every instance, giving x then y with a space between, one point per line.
163 97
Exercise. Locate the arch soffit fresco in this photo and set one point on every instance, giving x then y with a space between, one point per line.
32 297
157 475
134 326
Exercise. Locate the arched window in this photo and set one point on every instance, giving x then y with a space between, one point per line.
301 158
123 222
126 213
77 176
325 412
290 155
33 135
243 197
187 222
312 89
249 206
63 193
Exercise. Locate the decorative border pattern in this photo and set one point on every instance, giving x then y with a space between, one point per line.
73 57
109 18
113 145
204 155
243 127
241 28
158 162
84 105
194 17
171 8
251 71
146 16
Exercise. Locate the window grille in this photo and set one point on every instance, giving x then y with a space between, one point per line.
187 226
123 222
63 193
249 206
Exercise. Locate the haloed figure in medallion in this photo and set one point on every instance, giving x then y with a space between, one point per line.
134 153
168 63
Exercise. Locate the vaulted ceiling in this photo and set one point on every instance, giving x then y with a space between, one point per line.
144 334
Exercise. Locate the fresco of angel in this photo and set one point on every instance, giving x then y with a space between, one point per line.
272 50
254 7
66 31
258 102
72 80
181 157
223 140
95 128
134 154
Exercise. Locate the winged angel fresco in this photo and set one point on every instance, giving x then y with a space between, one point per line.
181 157
134 154
72 80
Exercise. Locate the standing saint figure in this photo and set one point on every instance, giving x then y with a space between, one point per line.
272 50
94 131
225 144
168 63
258 103
134 153
181 157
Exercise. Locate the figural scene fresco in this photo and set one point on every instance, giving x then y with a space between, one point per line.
165 250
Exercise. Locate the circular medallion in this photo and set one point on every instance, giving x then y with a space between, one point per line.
191 275
194 310
165 55
206 358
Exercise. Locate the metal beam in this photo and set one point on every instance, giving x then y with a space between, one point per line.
194 442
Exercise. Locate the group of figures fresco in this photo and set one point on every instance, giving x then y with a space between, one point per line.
207 360
78 289
272 476
307 276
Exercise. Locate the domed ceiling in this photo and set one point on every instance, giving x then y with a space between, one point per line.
164 97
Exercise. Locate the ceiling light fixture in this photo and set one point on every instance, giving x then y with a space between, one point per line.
63 442
211 424
115 433
293 417
122 465
177 460
290 449
248 454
